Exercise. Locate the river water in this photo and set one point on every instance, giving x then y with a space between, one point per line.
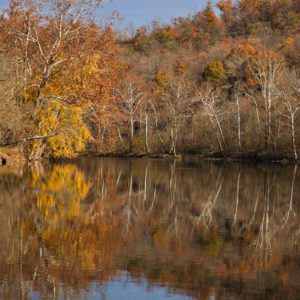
103 228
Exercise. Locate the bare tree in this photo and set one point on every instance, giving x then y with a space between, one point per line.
267 69
178 102
211 100
147 109
131 97
293 106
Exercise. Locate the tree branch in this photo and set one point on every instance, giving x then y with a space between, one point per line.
38 137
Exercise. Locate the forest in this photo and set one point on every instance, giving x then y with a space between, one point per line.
224 81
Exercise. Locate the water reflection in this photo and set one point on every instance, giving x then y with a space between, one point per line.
179 229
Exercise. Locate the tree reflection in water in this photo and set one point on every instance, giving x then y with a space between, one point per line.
197 228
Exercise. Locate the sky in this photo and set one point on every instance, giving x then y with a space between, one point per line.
141 12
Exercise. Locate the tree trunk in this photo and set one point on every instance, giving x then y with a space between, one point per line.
269 119
258 123
221 131
294 136
216 133
173 140
120 137
131 132
266 130
146 133
239 123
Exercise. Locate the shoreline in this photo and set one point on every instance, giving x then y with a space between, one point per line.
13 157
235 157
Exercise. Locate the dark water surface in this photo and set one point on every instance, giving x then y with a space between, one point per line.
150 229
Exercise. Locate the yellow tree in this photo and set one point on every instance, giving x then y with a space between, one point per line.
53 39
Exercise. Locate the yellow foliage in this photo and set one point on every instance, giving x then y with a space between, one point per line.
59 196
65 227
214 71
288 42
161 78
246 49
181 68
65 121
65 96
30 94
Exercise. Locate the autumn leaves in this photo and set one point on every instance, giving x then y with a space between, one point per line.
204 83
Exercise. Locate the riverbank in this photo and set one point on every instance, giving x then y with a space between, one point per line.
240 157
14 156
11 156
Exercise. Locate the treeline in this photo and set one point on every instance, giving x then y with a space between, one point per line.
226 83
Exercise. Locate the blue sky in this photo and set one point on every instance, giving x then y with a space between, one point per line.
139 12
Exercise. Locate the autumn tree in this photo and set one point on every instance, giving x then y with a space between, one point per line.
229 13
140 40
208 20
65 57
214 72
44 30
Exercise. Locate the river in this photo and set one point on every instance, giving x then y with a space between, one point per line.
109 228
